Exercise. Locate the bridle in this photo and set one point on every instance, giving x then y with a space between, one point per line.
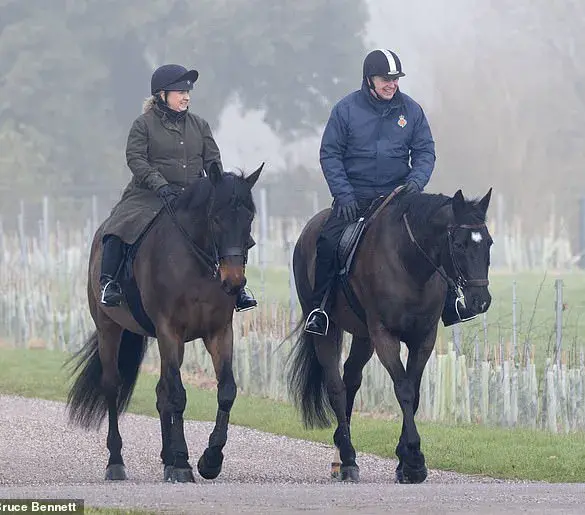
210 262
460 281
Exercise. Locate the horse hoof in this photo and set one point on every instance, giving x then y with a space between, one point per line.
336 471
351 473
179 475
406 475
209 470
116 472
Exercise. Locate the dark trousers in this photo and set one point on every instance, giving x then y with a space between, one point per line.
326 266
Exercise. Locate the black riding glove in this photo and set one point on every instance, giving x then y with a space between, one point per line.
348 211
411 187
168 197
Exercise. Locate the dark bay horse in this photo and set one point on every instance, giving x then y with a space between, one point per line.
187 269
413 246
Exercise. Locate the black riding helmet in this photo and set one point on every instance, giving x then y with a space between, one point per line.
172 77
381 62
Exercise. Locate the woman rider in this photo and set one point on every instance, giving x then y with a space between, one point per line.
168 147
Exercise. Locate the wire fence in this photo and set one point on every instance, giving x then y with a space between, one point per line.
476 376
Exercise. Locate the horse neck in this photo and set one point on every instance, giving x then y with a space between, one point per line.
196 224
430 238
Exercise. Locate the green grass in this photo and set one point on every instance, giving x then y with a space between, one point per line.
495 452
535 309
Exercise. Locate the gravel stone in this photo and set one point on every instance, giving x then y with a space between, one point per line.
42 456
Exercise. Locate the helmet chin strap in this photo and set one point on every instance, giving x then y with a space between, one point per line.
373 88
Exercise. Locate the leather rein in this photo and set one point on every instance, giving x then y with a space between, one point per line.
461 280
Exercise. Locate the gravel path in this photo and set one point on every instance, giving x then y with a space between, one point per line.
41 456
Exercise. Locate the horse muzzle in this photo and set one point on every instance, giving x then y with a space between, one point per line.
477 300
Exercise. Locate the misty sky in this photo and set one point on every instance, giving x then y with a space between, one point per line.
408 28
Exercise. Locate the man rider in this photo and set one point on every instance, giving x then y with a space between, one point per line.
376 139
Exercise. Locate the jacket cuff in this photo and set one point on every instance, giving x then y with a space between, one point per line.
417 180
344 198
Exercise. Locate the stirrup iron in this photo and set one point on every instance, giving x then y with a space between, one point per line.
321 312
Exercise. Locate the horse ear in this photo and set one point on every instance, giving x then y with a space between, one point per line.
458 202
253 177
485 202
215 174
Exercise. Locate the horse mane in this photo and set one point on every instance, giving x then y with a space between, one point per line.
420 208
198 192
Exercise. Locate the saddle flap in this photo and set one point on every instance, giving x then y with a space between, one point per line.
348 244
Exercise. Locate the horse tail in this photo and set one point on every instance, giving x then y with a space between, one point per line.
86 401
306 381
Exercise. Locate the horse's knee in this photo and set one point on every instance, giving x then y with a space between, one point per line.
405 393
176 393
161 397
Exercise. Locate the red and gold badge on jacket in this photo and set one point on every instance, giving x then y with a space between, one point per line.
402 121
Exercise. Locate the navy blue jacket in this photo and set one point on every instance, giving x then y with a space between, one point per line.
369 147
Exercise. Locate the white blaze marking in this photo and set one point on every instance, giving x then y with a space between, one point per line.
476 237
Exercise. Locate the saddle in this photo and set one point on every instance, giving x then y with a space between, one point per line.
349 244
130 287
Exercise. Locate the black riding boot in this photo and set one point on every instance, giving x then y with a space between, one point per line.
454 311
318 319
111 259
244 300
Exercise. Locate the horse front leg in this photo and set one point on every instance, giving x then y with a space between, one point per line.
411 467
166 420
418 356
171 402
220 347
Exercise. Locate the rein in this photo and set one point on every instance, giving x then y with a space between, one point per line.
210 263
461 281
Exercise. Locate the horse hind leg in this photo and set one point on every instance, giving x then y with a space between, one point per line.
220 346
360 353
121 364
96 389
328 351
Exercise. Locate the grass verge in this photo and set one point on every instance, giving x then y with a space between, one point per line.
495 452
